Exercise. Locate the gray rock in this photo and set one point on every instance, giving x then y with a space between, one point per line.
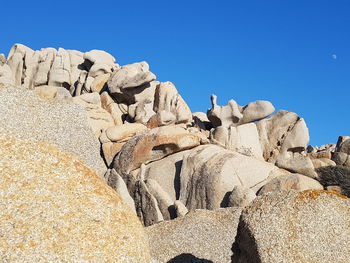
200 236
256 111
209 173
130 76
59 122
243 139
167 99
153 145
241 197
296 163
227 115
99 57
115 181
309 226
342 151
290 182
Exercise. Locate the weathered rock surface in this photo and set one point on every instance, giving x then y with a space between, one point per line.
25 115
241 196
99 118
256 111
209 173
310 226
290 182
130 76
200 236
154 145
167 99
55 209
243 139
341 155
226 116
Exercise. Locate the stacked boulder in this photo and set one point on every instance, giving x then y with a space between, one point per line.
164 161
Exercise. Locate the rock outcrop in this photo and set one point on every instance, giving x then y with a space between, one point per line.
309 226
55 209
25 115
200 236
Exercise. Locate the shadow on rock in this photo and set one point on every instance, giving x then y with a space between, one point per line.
188 258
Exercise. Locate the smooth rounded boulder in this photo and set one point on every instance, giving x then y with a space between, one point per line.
55 209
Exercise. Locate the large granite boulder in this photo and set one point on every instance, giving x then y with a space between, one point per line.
55 209
309 226
25 115
153 145
201 236
209 173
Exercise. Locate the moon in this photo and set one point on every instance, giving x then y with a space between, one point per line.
334 56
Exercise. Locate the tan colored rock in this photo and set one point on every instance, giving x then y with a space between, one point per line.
112 107
296 163
180 208
309 226
168 99
209 173
228 115
322 162
154 145
99 57
146 205
99 119
256 111
319 155
49 217
51 92
115 181
290 182
99 82
125 131
283 132
243 139
241 196
191 238
60 70
130 76
110 150
56 121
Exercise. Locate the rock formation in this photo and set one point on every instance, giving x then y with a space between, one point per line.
165 162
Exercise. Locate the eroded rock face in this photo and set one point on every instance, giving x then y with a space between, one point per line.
167 99
290 182
191 238
308 226
55 209
154 145
99 118
209 173
341 155
75 71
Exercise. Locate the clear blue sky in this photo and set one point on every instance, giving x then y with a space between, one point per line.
295 53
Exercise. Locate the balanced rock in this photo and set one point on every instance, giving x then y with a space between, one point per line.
256 111
130 76
199 236
309 226
55 209
227 115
